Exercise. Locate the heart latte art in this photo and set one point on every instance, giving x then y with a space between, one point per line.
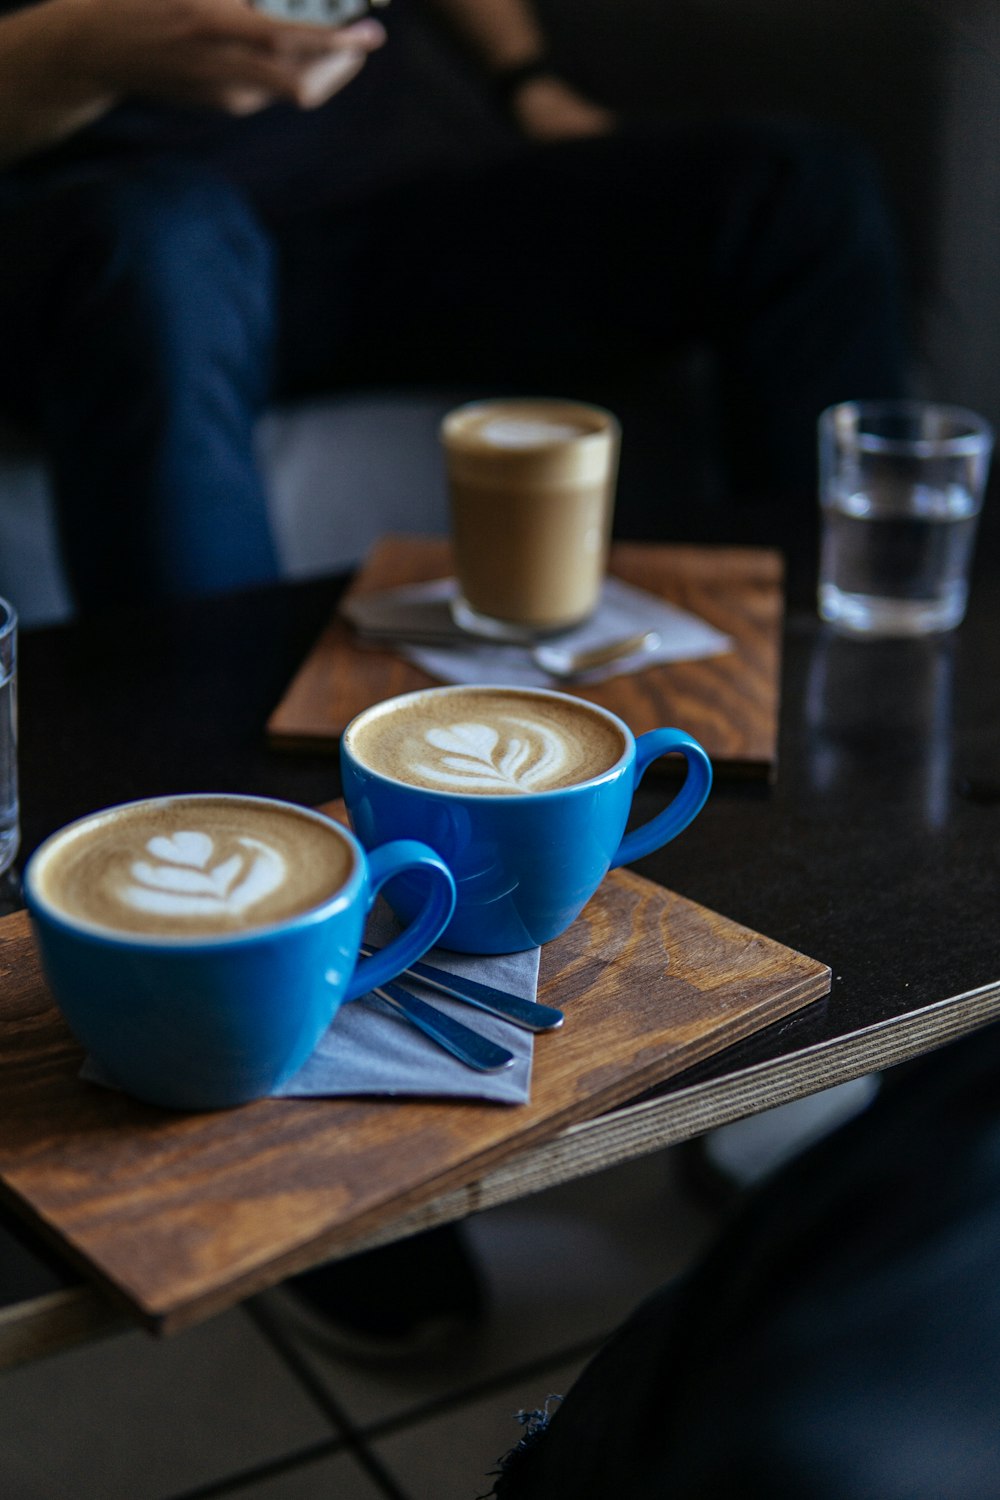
182 877
194 865
489 742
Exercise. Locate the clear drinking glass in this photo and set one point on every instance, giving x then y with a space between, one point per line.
10 831
900 487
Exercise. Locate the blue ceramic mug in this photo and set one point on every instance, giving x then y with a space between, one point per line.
525 793
199 946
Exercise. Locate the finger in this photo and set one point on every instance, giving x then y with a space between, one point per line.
243 23
246 101
238 77
248 74
323 79
363 36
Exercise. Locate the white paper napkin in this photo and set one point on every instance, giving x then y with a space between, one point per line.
401 616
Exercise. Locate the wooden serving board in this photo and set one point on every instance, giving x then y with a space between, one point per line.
729 703
181 1215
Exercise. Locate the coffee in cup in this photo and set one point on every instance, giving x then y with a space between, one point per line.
488 742
193 866
531 484
199 946
524 792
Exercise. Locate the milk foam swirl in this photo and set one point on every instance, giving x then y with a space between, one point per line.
475 756
181 881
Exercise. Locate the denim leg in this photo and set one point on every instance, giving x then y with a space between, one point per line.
141 312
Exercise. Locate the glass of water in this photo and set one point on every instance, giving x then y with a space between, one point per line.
900 487
9 821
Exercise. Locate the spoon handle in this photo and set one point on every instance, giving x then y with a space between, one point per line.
567 665
470 1047
530 1015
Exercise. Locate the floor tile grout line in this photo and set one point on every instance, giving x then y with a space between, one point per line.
271 1327
301 1363
350 1439
414 1416
232 1483
298 1365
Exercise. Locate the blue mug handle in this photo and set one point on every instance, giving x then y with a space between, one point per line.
686 805
427 926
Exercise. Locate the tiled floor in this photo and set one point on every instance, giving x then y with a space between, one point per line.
219 1411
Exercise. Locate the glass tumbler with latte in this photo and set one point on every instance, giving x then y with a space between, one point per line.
525 793
199 946
531 486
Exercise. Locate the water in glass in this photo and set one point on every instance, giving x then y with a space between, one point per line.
895 559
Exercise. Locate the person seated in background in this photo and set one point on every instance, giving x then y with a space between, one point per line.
204 209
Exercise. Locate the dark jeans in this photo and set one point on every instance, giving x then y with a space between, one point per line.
151 309
840 1342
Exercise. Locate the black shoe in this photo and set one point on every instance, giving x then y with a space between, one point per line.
415 1297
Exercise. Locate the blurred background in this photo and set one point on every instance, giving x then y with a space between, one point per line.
917 80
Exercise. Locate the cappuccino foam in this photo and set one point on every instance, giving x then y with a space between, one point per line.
486 741
527 432
523 422
193 866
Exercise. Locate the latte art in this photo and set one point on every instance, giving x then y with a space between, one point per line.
188 866
473 756
487 741
181 882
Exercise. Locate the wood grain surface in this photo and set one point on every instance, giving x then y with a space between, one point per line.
181 1215
729 703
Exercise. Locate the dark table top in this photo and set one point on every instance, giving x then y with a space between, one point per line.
877 849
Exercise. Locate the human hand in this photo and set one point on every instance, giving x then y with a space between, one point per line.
218 54
548 109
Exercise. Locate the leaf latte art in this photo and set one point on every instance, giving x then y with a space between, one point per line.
485 741
181 881
477 755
